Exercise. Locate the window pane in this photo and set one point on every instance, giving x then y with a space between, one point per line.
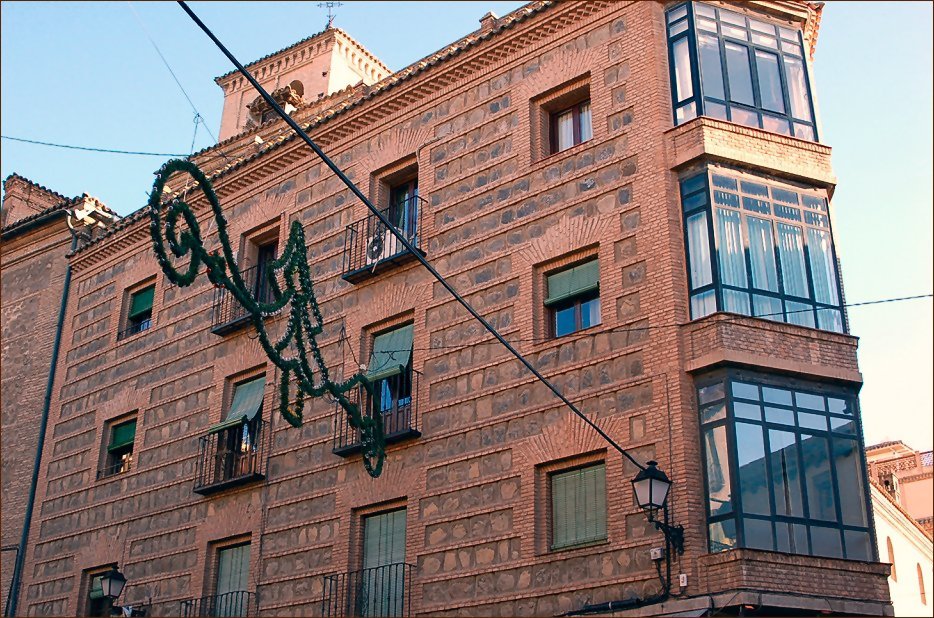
809 401
747 410
590 313
699 250
830 319
843 425
775 125
762 254
757 534
717 463
776 395
821 503
779 415
791 251
565 125
791 538
676 14
722 535
745 391
744 117
586 123
711 67
703 304
812 421
686 112
682 59
750 457
713 413
767 307
820 254
786 479
857 545
770 83
564 321
715 110
730 250
826 542
797 88
714 392
850 480
736 302
800 314
803 131
738 73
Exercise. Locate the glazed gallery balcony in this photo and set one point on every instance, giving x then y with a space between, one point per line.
369 247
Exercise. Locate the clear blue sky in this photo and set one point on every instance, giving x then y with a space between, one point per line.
85 73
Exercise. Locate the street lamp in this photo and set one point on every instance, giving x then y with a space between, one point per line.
112 583
651 487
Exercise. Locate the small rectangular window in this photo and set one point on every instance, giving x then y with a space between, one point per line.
382 581
390 372
573 298
119 456
571 126
96 604
578 506
233 573
139 311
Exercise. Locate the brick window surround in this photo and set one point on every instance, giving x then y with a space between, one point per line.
545 107
544 516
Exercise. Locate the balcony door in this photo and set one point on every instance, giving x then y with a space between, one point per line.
390 372
382 581
233 569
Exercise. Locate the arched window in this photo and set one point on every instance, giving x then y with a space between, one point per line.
888 545
924 596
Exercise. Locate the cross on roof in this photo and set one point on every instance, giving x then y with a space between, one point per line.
330 5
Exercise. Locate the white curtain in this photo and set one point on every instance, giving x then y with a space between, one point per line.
820 255
791 250
699 250
565 130
762 254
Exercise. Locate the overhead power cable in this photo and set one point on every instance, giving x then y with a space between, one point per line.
92 149
402 239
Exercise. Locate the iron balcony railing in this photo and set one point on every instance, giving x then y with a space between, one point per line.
132 329
231 456
229 314
117 467
239 603
368 244
376 591
395 399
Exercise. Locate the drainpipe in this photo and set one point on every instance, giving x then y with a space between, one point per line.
13 597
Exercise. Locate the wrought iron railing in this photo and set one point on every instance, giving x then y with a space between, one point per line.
228 312
395 399
132 329
116 467
367 242
240 603
377 591
231 456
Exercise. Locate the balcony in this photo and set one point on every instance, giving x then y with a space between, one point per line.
377 591
400 413
231 456
240 603
229 314
369 247
116 467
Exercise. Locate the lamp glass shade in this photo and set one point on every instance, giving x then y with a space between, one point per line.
112 583
651 487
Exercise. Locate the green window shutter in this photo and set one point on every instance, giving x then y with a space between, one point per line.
391 353
96 591
122 435
384 539
141 301
572 282
247 399
578 502
233 569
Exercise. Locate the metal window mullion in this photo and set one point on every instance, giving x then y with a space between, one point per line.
754 76
721 42
714 241
733 462
807 85
838 507
836 269
694 61
766 453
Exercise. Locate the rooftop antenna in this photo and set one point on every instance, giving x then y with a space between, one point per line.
329 6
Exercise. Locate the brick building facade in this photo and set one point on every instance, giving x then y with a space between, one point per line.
583 175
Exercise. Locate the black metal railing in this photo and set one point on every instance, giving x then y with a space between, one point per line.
377 591
231 456
116 467
395 399
132 329
229 314
240 603
367 242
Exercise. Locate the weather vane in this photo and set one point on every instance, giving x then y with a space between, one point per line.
329 6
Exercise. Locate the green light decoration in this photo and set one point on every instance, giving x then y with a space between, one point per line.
296 352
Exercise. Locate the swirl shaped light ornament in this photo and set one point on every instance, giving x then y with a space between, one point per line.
176 235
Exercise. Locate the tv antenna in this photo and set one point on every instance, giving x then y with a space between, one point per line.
330 6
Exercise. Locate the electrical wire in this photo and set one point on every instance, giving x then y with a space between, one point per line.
92 149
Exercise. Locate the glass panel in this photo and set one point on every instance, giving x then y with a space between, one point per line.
765 41
800 314
586 122
684 88
839 406
722 535
694 183
747 410
754 188
776 395
809 401
762 254
770 83
714 392
709 25
775 125
750 457
780 416
715 110
757 534
826 542
797 89
812 421
736 302
730 250
233 569
725 182
745 391
705 10
590 313
791 538
699 251
820 254
677 28
803 131
849 467
791 251
732 18
786 477
565 126
830 319
703 304
564 321
711 67
843 425
733 31
716 459
744 117
857 545
738 73
761 26
767 307
676 14
821 503
713 413
686 112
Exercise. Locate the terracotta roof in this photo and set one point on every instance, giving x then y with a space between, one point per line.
14 175
885 444
11 229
